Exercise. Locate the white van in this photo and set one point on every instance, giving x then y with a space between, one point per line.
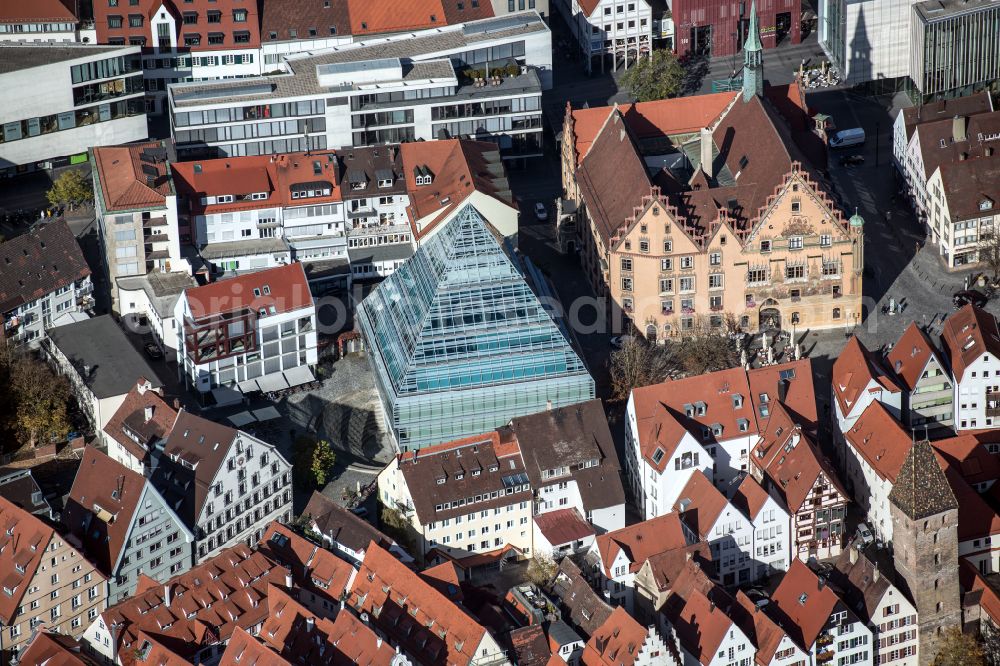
848 137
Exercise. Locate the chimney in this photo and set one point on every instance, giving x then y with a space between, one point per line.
706 151
310 623
378 643
820 582
854 555
148 413
177 404
288 579
782 390
166 595
876 574
958 128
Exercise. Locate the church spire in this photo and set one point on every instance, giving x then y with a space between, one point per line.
753 59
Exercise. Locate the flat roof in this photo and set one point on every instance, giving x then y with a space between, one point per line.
104 358
14 57
302 81
935 10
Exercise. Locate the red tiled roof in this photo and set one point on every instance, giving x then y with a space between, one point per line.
679 115
41 11
245 650
803 602
702 624
968 454
54 649
154 653
617 642
371 17
661 417
642 540
288 287
274 175
881 440
910 354
979 516
130 417
531 647
854 370
791 460
458 167
444 578
322 573
104 498
222 593
123 181
700 504
759 627
967 335
750 497
563 526
427 624
23 540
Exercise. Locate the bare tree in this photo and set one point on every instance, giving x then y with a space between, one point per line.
638 364
542 570
989 251
708 348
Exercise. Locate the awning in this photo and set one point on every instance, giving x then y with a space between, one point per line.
249 386
226 396
266 413
241 419
273 382
299 375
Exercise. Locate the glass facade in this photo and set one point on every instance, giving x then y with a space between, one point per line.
955 53
460 344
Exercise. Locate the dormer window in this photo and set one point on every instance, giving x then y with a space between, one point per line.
440 480
688 409
985 204
737 401
385 183
224 198
743 425
700 408
717 429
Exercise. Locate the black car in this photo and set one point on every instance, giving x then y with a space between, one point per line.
852 160
963 298
153 351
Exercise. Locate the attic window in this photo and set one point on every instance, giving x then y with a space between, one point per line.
700 408
312 32
267 290
744 162
658 455
256 292
440 481
717 429
737 401
197 168
743 424
688 409
786 374
985 204
802 598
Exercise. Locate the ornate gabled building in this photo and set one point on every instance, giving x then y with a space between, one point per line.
712 211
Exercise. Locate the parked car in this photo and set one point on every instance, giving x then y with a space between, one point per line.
848 137
153 351
963 298
864 536
541 212
852 160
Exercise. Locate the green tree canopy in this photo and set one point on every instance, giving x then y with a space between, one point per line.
72 188
313 461
654 78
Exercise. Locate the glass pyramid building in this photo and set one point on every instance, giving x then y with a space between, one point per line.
460 344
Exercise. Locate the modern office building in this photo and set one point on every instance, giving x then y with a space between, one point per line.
720 28
61 100
931 48
45 278
460 344
477 80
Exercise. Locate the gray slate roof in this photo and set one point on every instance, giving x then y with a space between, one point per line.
106 361
921 489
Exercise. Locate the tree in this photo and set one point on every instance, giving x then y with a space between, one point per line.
958 649
38 398
313 461
654 78
71 189
989 251
542 570
708 349
637 364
